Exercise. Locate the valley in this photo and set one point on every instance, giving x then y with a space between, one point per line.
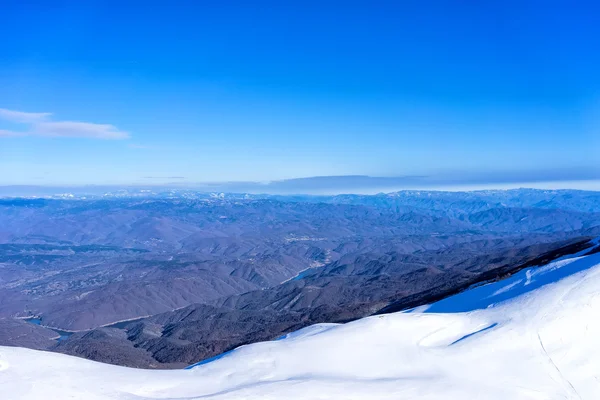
530 335
168 280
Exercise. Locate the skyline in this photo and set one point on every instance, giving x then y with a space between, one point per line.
316 186
190 92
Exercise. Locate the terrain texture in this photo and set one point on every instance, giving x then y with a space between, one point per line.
165 280
532 335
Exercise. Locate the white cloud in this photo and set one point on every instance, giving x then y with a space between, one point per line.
5 133
39 125
22 117
79 129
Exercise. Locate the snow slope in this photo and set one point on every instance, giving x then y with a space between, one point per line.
532 336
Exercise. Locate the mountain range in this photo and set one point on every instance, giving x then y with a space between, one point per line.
532 335
164 280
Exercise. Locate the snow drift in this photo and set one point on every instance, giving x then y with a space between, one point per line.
531 336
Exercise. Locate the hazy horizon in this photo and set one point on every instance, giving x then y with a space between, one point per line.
323 185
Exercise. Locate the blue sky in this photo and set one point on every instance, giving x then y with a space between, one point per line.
101 92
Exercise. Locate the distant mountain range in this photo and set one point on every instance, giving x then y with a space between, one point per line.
167 279
579 178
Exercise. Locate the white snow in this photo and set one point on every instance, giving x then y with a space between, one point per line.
535 335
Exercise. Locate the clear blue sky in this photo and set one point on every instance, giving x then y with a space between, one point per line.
152 92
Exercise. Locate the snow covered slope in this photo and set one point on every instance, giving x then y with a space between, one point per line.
532 336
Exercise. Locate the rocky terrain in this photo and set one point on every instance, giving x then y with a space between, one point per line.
530 335
166 280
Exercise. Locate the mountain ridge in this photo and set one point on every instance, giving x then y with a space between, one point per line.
539 340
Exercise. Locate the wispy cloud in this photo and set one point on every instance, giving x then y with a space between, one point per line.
21 117
38 124
164 177
5 133
79 129
139 146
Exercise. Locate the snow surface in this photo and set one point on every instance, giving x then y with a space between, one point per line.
535 335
